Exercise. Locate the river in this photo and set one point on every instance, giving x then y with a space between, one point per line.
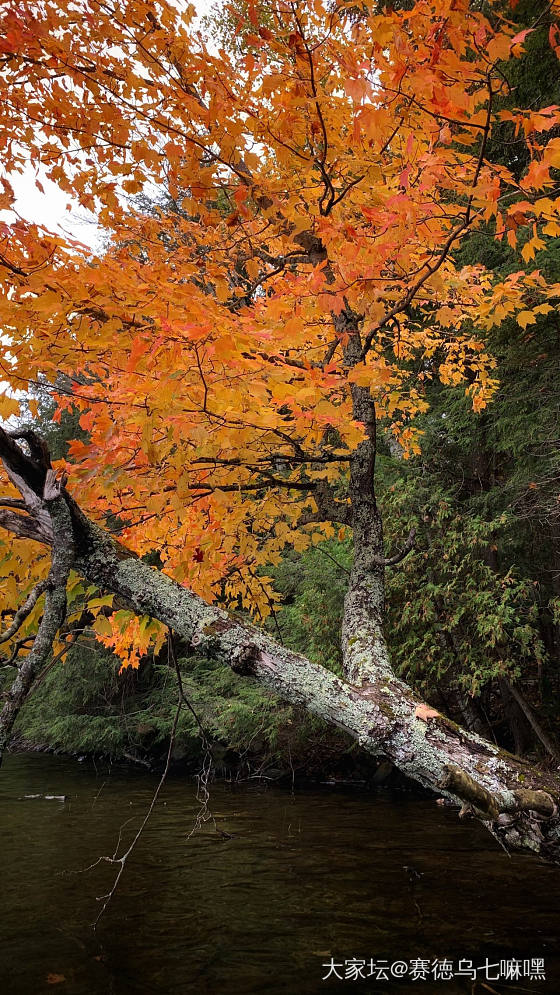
304 879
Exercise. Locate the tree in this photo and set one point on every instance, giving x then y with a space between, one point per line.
236 353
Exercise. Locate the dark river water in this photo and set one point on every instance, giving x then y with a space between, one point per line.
306 878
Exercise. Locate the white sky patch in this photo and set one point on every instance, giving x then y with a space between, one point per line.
55 210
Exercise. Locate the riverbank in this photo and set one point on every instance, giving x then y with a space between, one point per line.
86 708
352 770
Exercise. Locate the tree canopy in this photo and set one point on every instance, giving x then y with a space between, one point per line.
284 221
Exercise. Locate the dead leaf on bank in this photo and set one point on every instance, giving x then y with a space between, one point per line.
55 979
424 712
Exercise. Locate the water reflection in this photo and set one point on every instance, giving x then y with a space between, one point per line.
303 878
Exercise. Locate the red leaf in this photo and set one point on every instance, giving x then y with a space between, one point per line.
520 38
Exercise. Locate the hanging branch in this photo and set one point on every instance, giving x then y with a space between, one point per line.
121 861
202 793
54 502
208 761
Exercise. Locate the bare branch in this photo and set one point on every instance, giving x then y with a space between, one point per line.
202 792
11 661
24 527
120 862
24 610
391 561
8 502
56 507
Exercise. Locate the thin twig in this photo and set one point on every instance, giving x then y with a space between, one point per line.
24 610
208 762
121 861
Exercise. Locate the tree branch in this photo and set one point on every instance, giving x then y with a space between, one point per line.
55 602
24 610
383 714
391 561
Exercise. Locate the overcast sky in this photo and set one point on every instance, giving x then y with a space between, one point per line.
51 207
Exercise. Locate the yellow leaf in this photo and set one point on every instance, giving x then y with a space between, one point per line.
8 406
107 600
370 376
103 626
525 318
252 266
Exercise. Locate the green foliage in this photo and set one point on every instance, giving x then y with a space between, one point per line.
454 620
87 706
313 587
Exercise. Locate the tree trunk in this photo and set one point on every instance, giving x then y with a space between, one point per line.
524 707
54 612
381 713
364 648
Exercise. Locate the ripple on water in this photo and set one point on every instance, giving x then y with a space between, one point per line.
303 877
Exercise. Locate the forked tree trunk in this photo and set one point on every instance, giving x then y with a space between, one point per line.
374 707
383 714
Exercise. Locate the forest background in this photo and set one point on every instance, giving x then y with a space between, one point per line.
473 612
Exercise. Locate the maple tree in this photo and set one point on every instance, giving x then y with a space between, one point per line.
248 335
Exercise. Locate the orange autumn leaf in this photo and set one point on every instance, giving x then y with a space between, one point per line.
310 187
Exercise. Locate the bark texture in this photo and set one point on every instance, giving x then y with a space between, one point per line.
364 649
54 503
381 712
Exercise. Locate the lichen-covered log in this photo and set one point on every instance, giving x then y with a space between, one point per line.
383 716
381 713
